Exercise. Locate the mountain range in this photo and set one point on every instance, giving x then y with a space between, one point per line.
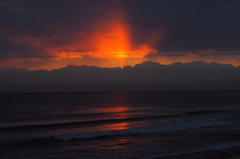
147 76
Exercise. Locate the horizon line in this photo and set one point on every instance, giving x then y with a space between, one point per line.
219 63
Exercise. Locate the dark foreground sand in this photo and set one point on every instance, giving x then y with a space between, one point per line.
233 153
232 132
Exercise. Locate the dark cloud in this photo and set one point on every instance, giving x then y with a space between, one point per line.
191 25
185 26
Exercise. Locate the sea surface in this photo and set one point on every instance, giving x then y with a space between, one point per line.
118 125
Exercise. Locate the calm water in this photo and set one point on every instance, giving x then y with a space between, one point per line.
122 125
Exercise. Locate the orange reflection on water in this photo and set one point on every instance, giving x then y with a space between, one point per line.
117 126
115 109
119 113
117 144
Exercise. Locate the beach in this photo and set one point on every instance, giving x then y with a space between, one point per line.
121 125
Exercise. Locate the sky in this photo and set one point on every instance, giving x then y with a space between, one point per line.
52 34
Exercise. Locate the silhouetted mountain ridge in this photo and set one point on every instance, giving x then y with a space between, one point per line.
145 76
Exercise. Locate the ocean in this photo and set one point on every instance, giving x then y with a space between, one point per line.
120 125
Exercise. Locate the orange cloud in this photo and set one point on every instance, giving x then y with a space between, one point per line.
111 40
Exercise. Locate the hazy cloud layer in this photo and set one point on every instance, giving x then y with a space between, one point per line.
197 27
146 76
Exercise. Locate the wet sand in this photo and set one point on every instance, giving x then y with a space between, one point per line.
233 153
232 133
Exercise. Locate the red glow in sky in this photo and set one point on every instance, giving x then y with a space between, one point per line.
110 41
115 33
